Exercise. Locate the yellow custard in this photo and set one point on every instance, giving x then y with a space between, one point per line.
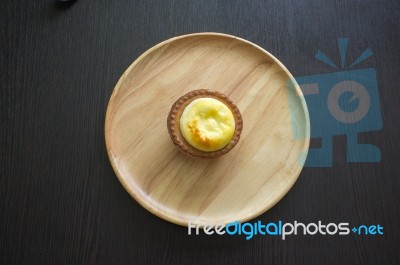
207 124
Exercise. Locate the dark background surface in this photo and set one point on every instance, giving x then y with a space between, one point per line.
60 201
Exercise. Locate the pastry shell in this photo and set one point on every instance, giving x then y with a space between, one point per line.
173 123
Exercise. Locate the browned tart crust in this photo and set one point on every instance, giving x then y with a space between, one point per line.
173 123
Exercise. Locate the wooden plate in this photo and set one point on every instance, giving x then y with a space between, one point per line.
238 186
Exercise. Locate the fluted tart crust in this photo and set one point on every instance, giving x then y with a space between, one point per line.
204 124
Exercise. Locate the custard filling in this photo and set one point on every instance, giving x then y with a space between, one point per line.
207 124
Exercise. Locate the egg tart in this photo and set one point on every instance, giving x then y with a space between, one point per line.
204 124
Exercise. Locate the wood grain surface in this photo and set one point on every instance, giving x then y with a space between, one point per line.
236 187
60 200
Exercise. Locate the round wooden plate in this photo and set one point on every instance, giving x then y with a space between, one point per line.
241 184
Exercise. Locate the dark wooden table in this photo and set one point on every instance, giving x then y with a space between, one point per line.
60 201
